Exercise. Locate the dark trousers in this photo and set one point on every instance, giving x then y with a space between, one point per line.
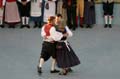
71 16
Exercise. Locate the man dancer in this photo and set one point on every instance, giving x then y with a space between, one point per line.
50 35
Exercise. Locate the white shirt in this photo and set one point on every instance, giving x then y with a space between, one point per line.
54 35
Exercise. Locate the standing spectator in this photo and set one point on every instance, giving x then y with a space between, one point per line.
70 5
36 12
61 9
11 13
89 13
49 9
80 12
108 6
24 8
2 3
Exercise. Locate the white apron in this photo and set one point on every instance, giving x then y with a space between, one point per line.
2 9
36 8
50 11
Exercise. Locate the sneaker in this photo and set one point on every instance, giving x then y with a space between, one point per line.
54 71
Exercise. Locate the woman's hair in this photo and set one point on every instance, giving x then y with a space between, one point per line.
59 15
51 18
61 23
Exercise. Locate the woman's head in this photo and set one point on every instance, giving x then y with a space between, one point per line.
51 20
61 24
58 17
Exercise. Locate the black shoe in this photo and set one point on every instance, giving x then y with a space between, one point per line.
81 26
54 71
27 26
110 26
73 28
63 73
22 26
88 26
39 70
69 70
105 26
11 26
2 26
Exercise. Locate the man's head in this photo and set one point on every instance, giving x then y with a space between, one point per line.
58 18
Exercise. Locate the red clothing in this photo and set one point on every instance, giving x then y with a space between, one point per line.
69 2
47 29
1 3
11 0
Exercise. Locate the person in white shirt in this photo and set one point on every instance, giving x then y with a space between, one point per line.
49 9
36 12
50 35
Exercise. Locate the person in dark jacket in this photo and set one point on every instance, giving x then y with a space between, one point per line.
70 5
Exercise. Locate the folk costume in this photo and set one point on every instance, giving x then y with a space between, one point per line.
24 8
49 9
2 4
50 35
89 13
11 13
65 56
36 12
70 6
108 6
61 9
80 12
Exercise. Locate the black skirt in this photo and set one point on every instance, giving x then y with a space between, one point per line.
65 56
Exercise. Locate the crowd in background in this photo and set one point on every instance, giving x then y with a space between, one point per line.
75 12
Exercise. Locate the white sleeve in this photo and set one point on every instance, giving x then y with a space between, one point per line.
53 0
70 34
56 36
43 32
40 1
28 0
4 1
19 0
46 0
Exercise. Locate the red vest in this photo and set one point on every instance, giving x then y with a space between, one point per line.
10 0
1 3
47 29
